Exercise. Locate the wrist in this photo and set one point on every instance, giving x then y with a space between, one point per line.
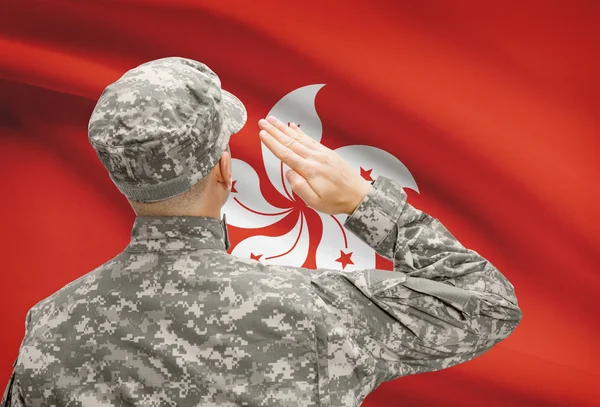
361 192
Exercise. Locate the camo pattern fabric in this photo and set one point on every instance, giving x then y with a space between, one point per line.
174 320
162 126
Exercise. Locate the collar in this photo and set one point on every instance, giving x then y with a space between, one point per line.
175 233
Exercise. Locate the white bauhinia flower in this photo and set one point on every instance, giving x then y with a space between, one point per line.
247 208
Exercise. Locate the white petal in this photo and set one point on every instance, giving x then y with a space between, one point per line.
298 106
333 242
247 208
289 249
380 162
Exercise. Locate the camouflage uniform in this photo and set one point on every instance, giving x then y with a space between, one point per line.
176 320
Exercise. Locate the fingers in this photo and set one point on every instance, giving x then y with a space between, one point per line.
297 141
307 140
302 188
293 160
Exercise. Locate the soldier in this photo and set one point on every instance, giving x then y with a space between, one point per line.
176 320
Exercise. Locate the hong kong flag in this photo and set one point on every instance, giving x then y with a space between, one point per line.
487 115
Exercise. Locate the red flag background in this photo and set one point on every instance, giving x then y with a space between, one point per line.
492 108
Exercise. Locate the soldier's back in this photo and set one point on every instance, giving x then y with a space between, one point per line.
189 326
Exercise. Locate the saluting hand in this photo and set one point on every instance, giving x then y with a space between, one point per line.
318 174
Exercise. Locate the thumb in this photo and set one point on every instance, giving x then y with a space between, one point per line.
301 187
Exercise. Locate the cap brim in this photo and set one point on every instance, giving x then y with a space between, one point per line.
234 111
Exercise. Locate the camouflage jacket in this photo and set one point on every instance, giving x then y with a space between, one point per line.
174 320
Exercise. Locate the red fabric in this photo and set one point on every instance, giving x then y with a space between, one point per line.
493 109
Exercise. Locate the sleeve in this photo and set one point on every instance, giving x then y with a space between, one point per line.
442 305
5 398
12 393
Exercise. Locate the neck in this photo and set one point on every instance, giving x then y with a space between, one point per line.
212 213
206 212
198 209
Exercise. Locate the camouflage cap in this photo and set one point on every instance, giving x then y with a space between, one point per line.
162 126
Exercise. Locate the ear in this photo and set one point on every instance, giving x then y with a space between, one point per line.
223 170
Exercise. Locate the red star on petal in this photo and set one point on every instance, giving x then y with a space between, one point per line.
233 186
255 256
297 124
366 174
345 259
